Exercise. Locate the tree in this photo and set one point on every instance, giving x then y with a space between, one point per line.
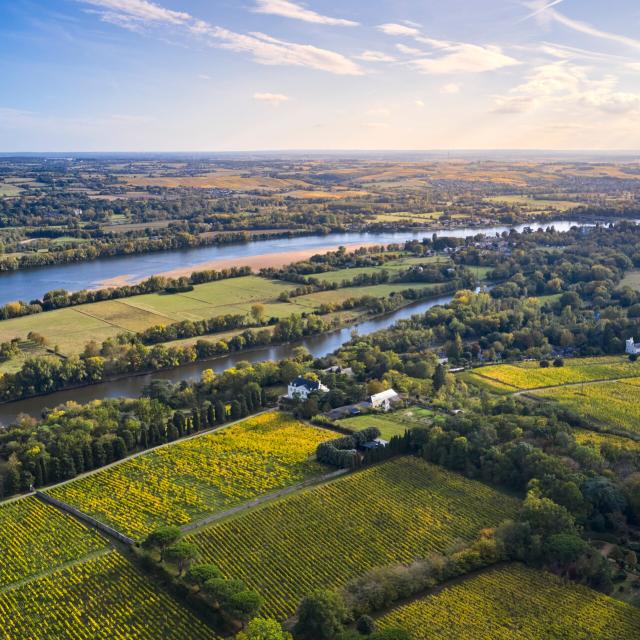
243 605
320 616
201 573
257 312
391 633
439 378
263 629
181 553
365 625
161 538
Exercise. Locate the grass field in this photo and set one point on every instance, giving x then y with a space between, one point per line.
530 375
313 300
187 480
390 424
72 328
393 267
611 405
104 598
392 512
516 603
36 537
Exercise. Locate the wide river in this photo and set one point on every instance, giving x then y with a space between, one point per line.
34 282
29 284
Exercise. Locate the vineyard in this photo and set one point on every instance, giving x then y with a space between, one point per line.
179 483
322 537
596 439
36 537
515 602
530 375
612 405
101 599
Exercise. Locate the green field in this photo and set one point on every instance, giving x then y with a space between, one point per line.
390 424
611 405
189 479
515 603
36 537
103 598
321 537
529 375
72 328
393 267
598 440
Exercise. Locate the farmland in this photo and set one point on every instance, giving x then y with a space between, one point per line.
187 480
322 537
515 602
103 598
36 537
530 375
599 439
612 405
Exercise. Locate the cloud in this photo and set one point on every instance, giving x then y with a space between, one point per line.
136 14
295 11
141 11
466 58
419 103
409 51
376 125
569 88
375 56
395 29
546 12
450 88
271 51
274 99
379 111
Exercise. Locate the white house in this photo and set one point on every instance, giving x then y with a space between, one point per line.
301 388
633 348
384 400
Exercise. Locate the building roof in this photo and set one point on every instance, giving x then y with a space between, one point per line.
310 385
389 394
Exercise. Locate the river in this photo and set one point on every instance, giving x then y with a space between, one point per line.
318 346
29 284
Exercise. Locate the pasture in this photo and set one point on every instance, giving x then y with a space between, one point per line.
36 537
515 602
189 479
103 598
631 279
323 536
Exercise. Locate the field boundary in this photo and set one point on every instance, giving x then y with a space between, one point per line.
260 500
81 515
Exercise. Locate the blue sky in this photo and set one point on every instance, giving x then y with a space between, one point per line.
208 75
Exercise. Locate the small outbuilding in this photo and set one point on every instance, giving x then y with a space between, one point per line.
384 400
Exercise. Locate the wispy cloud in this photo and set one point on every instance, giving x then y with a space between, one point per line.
265 49
274 99
450 88
271 51
395 29
375 56
139 11
448 57
296 11
546 11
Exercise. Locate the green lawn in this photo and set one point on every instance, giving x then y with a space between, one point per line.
632 279
390 424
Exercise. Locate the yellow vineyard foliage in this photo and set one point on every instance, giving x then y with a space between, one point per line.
181 482
104 598
516 603
36 537
324 536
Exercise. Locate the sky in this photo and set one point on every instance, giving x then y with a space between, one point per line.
238 75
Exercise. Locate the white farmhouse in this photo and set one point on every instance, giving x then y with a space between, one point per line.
301 388
633 347
384 400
